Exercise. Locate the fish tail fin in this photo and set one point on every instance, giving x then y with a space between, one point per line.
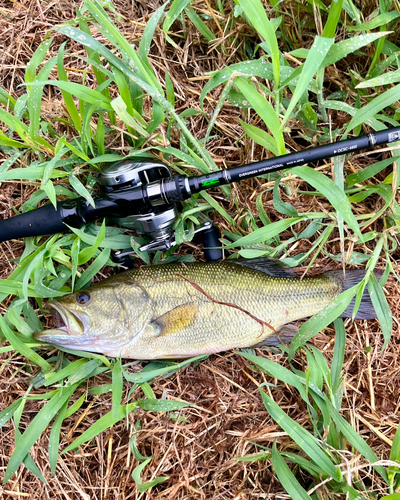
350 279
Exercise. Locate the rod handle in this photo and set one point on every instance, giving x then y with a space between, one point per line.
44 220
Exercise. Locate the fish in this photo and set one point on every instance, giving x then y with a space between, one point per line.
177 310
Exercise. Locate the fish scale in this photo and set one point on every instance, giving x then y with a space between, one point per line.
217 327
180 310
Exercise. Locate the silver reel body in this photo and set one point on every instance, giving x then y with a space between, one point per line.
157 222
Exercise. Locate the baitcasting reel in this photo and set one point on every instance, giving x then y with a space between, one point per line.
155 221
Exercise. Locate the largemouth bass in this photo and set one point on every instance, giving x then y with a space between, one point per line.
182 310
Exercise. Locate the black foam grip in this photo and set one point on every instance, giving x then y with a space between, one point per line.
211 242
44 220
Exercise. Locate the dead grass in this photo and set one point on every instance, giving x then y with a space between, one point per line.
198 454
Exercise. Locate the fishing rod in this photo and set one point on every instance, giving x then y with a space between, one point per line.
141 194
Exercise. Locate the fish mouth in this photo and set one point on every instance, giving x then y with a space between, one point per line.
69 325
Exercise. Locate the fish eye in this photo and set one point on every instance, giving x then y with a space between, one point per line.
82 297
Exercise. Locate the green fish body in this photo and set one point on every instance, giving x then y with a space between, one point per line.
182 310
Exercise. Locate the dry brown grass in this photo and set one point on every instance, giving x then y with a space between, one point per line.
199 453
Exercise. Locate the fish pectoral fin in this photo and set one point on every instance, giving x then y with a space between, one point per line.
283 336
176 319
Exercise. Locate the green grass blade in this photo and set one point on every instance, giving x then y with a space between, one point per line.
370 171
117 242
51 165
117 387
86 94
50 191
35 99
145 376
102 424
315 58
7 99
87 253
200 25
30 174
286 477
54 377
87 40
338 165
260 67
352 11
265 110
190 159
75 407
173 14
255 11
36 60
36 428
162 404
124 91
335 10
98 69
14 123
68 99
120 108
28 461
218 207
148 32
369 111
260 137
378 81
264 234
349 46
21 347
100 136
8 412
395 457
93 269
377 22
321 365
81 189
332 192
338 354
306 441
355 439
322 319
382 309
281 206
54 439
143 487
84 372
277 371
111 32
11 143
223 97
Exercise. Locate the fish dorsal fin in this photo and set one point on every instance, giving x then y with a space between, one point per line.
176 319
273 268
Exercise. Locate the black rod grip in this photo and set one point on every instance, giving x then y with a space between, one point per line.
44 220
